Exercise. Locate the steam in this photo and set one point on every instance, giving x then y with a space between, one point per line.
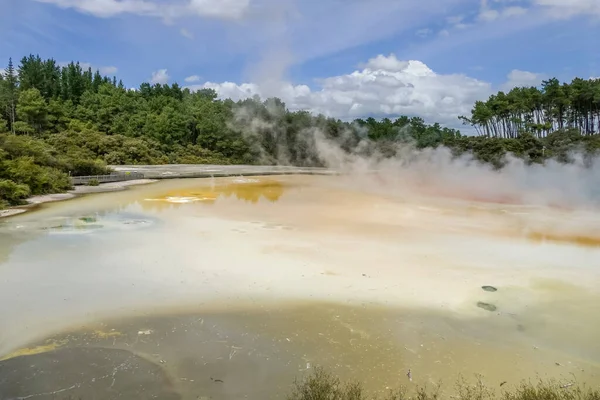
400 169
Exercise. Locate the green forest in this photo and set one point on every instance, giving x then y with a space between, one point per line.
58 121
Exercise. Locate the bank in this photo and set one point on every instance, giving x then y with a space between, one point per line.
151 173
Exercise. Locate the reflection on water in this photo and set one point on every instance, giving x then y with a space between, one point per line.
278 275
246 189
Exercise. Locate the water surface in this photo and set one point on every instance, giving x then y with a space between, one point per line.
231 287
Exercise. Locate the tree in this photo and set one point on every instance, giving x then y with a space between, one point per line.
10 93
32 108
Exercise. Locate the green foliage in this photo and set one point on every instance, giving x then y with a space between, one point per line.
23 128
38 178
32 109
93 182
12 192
540 111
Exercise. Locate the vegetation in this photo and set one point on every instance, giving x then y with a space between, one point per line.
60 120
541 111
322 385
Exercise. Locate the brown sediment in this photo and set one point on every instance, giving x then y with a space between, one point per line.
579 240
48 345
251 190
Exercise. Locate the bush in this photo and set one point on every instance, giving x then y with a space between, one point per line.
13 193
93 182
40 179
321 385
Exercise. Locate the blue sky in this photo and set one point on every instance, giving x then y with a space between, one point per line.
320 54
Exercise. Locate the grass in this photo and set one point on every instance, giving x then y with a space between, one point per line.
322 385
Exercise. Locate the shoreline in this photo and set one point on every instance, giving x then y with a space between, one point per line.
34 201
155 173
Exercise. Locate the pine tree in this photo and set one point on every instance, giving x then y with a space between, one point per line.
97 81
11 86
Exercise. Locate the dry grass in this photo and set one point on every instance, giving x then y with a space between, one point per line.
322 385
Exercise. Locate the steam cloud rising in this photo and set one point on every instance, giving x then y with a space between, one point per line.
403 169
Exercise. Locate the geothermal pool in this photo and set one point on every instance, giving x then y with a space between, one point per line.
232 287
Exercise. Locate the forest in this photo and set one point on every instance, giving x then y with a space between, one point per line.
58 121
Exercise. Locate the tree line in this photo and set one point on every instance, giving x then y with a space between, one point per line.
60 120
540 111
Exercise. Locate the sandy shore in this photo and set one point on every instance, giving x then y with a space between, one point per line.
79 190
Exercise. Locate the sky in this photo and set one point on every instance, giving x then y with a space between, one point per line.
343 58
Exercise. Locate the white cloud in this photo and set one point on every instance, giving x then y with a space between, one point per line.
569 8
423 32
161 76
385 86
104 70
455 19
556 8
488 15
220 8
185 33
518 78
193 78
491 14
224 9
513 11
110 70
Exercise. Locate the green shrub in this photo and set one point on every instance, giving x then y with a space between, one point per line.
40 179
12 193
93 182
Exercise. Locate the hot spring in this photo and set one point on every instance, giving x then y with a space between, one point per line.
231 287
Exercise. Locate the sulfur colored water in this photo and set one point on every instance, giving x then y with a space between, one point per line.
225 288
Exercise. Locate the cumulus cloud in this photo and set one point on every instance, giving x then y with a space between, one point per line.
518 78
224 9
384 86
161 76
193 78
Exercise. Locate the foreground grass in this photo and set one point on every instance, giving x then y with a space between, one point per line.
322 385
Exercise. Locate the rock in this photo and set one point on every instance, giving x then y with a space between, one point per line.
486 306
489 288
